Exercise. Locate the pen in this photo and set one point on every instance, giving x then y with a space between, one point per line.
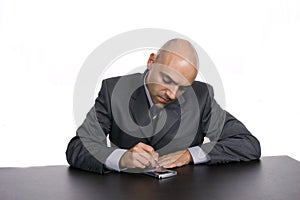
158 166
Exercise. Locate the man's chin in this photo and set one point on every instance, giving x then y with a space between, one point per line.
160 105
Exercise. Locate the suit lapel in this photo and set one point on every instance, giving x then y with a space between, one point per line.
139 107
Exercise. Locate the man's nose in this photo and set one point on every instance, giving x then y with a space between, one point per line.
172 92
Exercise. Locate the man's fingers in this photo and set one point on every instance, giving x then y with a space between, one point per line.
174 164
133 160
149 157
171 165
166 160
145 147
176 159
178 163
154 158
146 152
141 155
140 162
155 155
169 158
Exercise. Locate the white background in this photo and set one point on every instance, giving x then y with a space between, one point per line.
255 46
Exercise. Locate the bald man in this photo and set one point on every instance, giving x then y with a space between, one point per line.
159 118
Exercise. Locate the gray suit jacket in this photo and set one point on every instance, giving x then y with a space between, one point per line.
121 111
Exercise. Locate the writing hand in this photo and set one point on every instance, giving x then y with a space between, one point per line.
176 159
139 156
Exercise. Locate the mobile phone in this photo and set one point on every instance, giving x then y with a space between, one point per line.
166 173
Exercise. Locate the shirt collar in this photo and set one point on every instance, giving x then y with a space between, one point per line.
147 91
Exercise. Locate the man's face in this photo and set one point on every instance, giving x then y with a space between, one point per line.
168 78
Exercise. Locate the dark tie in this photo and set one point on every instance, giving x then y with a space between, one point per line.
154 114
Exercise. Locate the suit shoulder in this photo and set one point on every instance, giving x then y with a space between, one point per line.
202 87
111 82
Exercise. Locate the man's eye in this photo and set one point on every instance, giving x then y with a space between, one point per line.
167 81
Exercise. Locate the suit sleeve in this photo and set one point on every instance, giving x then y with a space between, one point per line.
230 140
88 150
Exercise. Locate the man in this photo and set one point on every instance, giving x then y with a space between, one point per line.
159 118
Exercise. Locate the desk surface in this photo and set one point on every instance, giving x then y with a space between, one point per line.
273 178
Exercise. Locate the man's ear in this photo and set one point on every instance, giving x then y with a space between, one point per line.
151 60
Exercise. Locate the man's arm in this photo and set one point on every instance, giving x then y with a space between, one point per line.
235 143
230 140
88 149
79 157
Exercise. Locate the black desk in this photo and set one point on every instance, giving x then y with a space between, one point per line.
271 178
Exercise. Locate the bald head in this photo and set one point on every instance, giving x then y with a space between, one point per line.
171 71
181 48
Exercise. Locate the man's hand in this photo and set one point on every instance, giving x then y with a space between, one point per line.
176 159
139 156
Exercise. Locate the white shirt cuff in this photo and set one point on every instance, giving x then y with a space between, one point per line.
198 155
112 161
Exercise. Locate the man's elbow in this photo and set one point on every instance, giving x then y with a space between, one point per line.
254 149
72 151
